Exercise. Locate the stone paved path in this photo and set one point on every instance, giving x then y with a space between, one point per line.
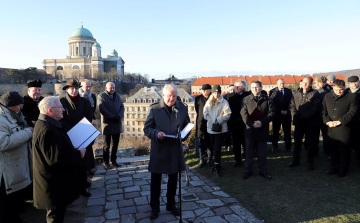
123 194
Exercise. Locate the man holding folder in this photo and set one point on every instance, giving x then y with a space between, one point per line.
257 112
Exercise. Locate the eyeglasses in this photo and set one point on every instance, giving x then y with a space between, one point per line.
58 107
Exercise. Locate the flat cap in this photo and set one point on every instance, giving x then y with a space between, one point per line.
205 87
353 78
331 77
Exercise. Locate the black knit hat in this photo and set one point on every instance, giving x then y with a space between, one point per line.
205 87
216 88
11 98
34 83
353 79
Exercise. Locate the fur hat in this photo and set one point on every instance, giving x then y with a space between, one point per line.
34 83
11 98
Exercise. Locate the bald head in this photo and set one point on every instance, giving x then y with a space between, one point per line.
110 87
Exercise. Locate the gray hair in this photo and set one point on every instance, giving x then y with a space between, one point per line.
172 86
243 84
85 80
47 103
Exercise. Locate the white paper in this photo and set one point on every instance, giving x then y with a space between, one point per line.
184 132
82 134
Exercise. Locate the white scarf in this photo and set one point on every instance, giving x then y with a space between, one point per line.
87 96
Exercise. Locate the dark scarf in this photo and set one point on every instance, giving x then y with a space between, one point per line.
74 99
19 118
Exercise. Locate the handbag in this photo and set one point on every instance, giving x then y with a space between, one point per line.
216 127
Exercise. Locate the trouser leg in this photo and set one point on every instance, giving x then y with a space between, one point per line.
334 155
261 148
203 149
250 152
9 205
197 147
106 148
344 158
155 188
326 139
312 142
298 136
56 215
114 147
210 148
171 189
236 144
216 141
286 124
276 128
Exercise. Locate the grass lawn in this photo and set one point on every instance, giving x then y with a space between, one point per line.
294 194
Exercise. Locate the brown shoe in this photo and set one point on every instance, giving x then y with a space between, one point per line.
106 166
116 164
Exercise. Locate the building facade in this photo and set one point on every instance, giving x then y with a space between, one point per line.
137 108
84 59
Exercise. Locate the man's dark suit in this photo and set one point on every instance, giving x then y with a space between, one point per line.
201 131
281 100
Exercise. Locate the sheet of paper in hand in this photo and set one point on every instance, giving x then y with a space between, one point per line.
82 134
184 132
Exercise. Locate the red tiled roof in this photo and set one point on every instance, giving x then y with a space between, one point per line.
298 78
289 79
208 80
264 79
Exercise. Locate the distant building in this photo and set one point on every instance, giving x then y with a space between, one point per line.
137 107
84 59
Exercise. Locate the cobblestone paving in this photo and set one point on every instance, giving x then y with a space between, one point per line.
123 195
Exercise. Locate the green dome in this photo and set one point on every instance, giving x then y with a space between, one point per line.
96 44
114 52
82 32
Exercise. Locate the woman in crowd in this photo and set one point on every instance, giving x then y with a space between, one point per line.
217 112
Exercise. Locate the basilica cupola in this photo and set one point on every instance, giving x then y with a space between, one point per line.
96 50
80 43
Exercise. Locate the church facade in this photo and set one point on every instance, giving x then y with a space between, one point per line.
84 59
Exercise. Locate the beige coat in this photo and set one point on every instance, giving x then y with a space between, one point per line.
15 154
220 111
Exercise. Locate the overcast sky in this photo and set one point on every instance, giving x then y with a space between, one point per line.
189 38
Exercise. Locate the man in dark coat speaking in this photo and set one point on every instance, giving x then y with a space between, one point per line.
339 113
166 156
55 162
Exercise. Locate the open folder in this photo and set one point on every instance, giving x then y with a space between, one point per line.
184 132
82 134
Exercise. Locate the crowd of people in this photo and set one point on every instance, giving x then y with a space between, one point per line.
37 155
37 158
323 105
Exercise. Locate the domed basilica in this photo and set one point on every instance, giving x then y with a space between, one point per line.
84 59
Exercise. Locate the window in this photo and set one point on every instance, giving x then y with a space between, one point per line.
127 115
76 67
133 122
84 50
77 51
59 68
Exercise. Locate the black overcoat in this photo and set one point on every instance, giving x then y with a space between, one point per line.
344 109
166 154
265 105
235 101
305 107
201 123
73 115
30 110
281 102
55 163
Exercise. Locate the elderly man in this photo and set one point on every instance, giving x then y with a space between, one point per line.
323 88
355 131
330 80
15 168
55 162
76 108
339 113
166 155
304 108
31 100
201 132
85 92
281 97
235 123
111 109
257 112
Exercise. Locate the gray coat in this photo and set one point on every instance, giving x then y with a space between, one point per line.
165 154
109 109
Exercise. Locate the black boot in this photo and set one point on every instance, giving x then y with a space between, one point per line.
216 170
